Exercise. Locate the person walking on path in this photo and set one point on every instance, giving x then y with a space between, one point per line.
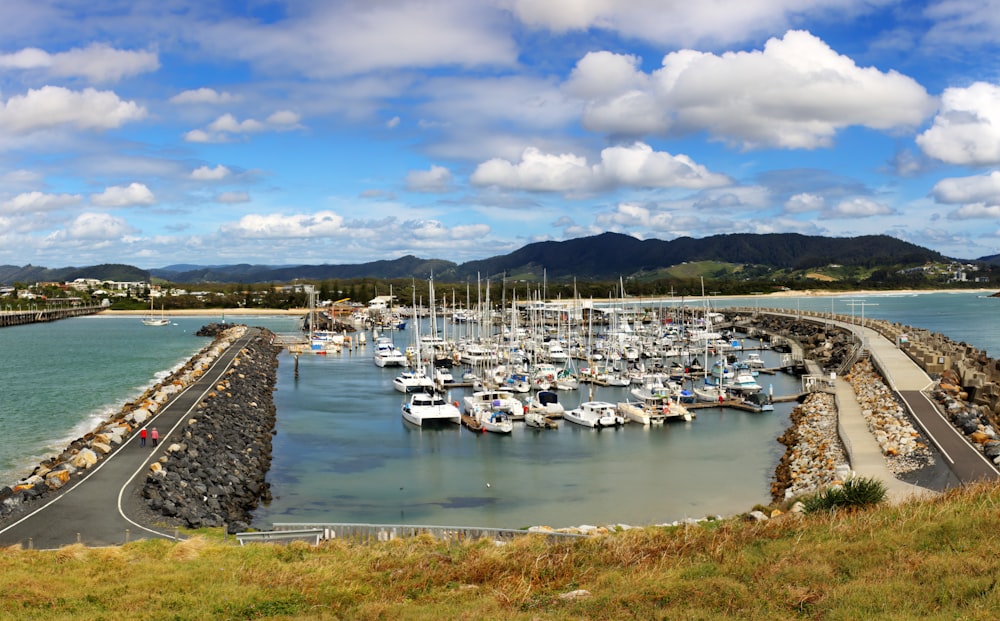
142 437
155 435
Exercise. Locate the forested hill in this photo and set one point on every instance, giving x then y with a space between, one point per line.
601 257
610 255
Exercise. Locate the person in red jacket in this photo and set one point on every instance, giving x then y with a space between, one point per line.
142 437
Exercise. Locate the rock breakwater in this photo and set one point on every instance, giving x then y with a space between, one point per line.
976 421
213 473
814 456
903 446
86 452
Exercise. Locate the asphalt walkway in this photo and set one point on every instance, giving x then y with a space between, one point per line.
99 509
909 381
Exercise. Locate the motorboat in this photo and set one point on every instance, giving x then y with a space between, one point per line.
387 354
596 414
546 403
495 399
430 406
416 380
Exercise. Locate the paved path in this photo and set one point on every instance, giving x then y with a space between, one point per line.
95 509
908 380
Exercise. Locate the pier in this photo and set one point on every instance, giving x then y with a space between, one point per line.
43 315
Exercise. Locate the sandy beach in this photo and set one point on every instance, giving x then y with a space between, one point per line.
211 312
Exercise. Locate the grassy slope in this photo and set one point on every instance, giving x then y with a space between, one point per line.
932 559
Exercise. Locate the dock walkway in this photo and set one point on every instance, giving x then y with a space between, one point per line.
44 315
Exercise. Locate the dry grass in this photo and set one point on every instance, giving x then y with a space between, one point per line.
931 559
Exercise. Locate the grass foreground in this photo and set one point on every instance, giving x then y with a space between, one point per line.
922 559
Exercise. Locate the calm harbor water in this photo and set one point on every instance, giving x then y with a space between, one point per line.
342 452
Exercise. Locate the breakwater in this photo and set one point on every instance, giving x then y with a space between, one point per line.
42 315
83 454
966 392
213 473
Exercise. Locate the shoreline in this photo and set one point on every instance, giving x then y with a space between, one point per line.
805 293
210 312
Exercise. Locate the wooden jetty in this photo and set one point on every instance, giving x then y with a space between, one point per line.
43 315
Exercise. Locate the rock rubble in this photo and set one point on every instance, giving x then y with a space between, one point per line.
814 456
213 474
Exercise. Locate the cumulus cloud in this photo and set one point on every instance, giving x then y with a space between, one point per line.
437 179
124 196
204 173
98 62
804 202
204 95
35 202
392 123
966 129
811 93
223 127
295 226
974 189
636 165
976 211
858 207
53 106
94 227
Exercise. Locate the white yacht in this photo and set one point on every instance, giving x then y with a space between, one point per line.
595 414
387 354
425 406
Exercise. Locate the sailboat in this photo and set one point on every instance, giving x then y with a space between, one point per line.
150 320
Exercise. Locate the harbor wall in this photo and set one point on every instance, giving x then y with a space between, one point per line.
213 474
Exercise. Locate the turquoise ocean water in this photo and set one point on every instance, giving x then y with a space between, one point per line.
342 452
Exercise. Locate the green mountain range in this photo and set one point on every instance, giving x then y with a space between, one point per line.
608 256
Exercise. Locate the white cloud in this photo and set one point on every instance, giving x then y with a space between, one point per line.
676 22
392 123
204 95
52 106
437 179
204 173
976 211
804 202
93 227
639 166
232 198
97 62
858 207
224 126
811 92
280 226
124 196
35 202
200 135
974 189
228 123
636 165
284 118
351 38
966 130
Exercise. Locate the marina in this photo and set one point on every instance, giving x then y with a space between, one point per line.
343 452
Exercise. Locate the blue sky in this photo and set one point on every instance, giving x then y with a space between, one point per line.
156 132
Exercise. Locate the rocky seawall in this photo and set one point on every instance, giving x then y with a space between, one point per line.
86 452
213 473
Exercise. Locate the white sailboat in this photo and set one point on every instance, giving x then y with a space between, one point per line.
150 320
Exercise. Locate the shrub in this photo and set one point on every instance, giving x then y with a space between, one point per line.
855 493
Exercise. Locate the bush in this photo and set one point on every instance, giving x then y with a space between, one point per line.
855 493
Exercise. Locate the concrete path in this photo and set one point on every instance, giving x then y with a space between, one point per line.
865 454
99 509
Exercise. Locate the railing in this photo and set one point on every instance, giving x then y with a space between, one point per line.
313 535
373 533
